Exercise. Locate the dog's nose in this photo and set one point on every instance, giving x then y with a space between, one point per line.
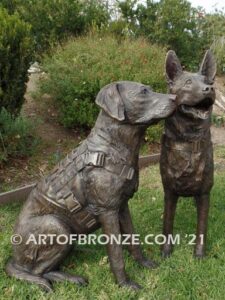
173 97
208 89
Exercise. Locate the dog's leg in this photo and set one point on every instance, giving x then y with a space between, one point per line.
202 203
134 249
13 270
39 261
50 256
170 203
60 276
111 227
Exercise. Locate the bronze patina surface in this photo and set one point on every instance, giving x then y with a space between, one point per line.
90 188
186 161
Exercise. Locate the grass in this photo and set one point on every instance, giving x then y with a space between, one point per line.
179 277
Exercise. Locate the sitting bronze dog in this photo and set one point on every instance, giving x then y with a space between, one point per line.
91 187
186 161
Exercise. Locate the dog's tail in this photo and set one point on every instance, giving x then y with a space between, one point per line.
14 271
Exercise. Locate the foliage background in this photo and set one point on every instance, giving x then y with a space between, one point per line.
78 70
57 34
55 20
16 53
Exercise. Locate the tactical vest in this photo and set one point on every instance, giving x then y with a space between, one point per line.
57 187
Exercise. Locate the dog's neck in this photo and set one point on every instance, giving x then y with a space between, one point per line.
178 127
120 141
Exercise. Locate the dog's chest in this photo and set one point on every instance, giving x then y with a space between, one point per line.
106 190
187 165
186 171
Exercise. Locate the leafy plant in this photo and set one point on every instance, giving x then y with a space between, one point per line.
171 23
78 70
154 133
55 20
218 48
218 121
16 50
17 136
212 28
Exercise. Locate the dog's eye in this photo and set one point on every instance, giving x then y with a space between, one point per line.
144 91
188 82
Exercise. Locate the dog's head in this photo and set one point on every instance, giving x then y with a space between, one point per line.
135 103
195 91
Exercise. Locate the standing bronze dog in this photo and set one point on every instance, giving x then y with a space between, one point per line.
91 187
186 161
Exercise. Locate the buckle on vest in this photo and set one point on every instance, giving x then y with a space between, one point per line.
127 172
196 146
72 203
88 220
96 159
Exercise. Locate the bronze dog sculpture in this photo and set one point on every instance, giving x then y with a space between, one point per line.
186 161
91 187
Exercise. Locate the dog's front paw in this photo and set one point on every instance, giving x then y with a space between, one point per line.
199 252
130 284
166 250
147 263
79 280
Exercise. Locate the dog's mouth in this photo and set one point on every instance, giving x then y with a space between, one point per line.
198 111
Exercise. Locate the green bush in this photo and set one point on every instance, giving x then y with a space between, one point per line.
171 23
15 57
17 136
54 20
217 121
218 48
154 133
77 71
10 5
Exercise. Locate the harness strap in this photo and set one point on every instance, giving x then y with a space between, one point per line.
98 159
193 146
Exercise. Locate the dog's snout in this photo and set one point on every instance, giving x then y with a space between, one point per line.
208 89
173 97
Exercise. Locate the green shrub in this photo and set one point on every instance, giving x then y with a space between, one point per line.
54 20
17 137
119 28
10 5
15 57
212 28
218 48
77 71
171 23
217 121
154 133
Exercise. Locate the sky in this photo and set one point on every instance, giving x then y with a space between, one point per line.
208 5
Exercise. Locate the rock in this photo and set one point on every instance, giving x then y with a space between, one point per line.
34 68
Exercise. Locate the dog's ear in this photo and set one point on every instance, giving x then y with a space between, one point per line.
208 66
109 99
173 66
